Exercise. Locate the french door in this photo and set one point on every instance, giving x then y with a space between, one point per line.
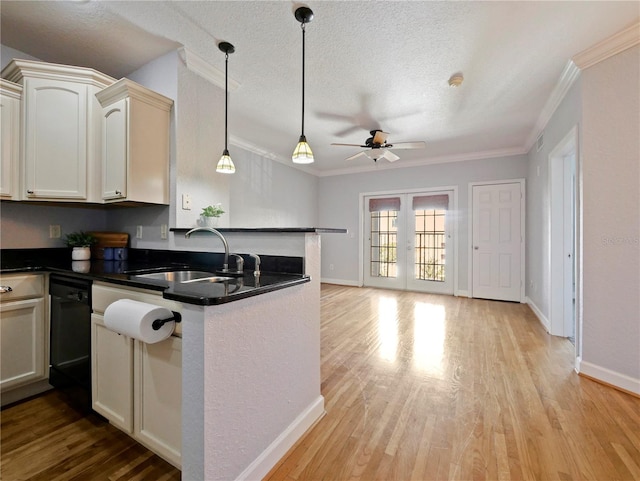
409 242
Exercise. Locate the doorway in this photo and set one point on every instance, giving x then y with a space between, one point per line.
563 228
409 241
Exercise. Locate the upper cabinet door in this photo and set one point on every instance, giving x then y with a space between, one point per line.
55 139
135 143
115 150
10 95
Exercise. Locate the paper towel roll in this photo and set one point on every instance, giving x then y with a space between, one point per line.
135 319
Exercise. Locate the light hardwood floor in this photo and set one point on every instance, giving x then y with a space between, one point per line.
429 387
417 387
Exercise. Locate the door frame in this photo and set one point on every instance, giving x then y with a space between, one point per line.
568 145
455 220
523 222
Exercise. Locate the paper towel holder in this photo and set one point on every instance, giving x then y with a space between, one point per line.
158 323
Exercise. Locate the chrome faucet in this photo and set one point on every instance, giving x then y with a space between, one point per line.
225 265
256 271
239 263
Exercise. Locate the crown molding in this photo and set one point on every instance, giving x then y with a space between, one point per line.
442 159
125 88
205 70
10 89
567 78
18 69
609 47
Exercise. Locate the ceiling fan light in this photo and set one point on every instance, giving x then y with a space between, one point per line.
225 164
302 153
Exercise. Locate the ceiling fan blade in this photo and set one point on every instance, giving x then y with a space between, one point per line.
348 130
350 145
380 137
390 156
409 145
359 154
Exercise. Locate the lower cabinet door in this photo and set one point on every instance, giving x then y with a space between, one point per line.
112 374
158 397
22 350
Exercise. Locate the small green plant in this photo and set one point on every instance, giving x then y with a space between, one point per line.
212 211
80 239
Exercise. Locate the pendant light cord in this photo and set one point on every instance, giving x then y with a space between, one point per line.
303 32
226 98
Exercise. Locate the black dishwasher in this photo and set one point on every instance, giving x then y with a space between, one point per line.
70 352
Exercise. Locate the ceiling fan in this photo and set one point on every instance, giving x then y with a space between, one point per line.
378 148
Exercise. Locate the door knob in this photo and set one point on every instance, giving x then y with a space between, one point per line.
476 247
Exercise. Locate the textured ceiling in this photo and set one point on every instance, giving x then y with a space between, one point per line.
369 64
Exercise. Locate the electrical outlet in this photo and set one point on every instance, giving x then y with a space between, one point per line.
186 202
163 231
330 267
54 231
138 232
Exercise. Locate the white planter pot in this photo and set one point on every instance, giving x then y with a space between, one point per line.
209 221
81 253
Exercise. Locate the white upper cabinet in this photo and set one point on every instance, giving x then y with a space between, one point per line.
135 143
10 95
61 141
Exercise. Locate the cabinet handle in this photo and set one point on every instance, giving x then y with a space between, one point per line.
5 289
118 192
29 192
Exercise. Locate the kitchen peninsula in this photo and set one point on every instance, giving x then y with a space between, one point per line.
250 355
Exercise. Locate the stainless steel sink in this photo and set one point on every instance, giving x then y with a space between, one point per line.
184 277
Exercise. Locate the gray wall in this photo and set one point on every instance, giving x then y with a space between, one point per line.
339 205
566 116
611 218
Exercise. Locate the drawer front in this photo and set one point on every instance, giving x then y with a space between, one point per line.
23 286
105 294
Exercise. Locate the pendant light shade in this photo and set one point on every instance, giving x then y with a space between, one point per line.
225 164
302 153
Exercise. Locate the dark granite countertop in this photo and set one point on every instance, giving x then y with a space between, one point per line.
141 260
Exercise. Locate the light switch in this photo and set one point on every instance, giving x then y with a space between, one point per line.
163 231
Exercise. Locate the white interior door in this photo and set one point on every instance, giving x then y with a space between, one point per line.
409 242
497 241
569 239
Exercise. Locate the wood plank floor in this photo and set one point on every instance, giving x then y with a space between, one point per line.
427 387
417 387
47 439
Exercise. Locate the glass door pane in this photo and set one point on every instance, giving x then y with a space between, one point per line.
430 255
384 261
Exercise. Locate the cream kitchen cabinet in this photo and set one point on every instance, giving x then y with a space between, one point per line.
138 386
61 141
10 95
24 335
135 143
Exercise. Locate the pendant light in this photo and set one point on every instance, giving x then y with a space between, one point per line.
225 164
302 153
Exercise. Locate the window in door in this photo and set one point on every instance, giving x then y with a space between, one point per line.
384 237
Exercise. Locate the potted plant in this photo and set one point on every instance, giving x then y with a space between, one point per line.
209 215
81 243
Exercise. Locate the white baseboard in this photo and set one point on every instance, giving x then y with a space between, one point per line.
340 282
599 373
541 317
461 293
261 466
